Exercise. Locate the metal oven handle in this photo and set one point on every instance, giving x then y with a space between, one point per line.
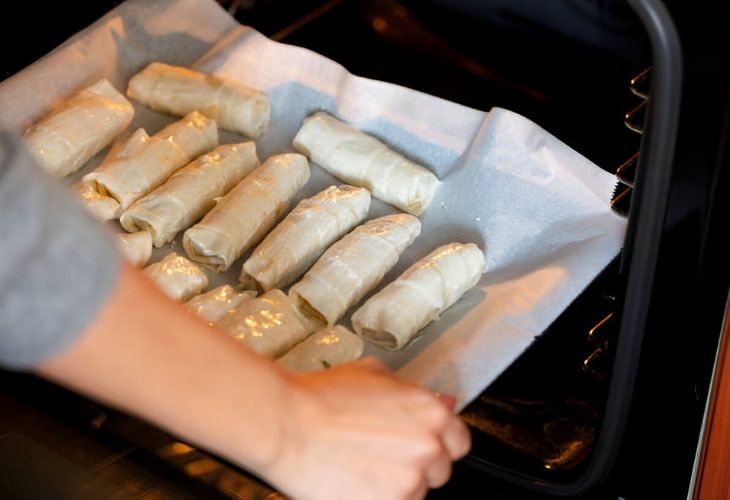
644 230
640 251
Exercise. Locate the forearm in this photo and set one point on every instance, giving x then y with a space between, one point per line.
352 431
177 372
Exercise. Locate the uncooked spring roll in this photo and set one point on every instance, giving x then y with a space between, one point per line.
190 192
269 324
363 160
177 276
247 212
84 124
324 348
135 171
353 266
178 90
216 303
136 246
396 313
299 239
103 207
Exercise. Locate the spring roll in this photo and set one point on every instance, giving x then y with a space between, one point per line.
138 169
293 245
84 124
247 212
190 192
136 247
103 207
269 324
177 276
177 90
324 348
353 266
362 160
396 313
216 303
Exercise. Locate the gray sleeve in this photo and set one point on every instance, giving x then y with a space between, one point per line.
58 264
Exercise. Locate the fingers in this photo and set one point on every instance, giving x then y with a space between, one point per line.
387 413
373 363
448 400
456 438
450 437
453 432
439 471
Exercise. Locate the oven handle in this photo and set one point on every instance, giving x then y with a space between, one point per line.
645 223
640 249
643 234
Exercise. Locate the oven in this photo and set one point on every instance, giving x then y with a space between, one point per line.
628 372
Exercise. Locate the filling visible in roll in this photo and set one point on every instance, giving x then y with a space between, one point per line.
148 161
103 207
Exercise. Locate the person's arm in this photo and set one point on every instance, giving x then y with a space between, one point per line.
352 431
74 313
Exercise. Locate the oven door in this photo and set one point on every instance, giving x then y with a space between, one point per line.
655 347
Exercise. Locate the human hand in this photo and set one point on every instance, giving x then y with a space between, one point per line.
356 431
353 431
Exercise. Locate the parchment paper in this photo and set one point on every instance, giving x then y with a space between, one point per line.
537 208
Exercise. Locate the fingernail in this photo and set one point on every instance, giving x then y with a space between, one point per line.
447 399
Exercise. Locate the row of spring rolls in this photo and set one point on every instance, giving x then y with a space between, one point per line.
226 202
79 127
271 325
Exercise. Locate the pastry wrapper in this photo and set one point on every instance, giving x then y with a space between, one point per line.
363 160
146 162
216 303
177 276
103 207
136 246
247 212
179 90
352 267
330 346
84 124
396 313
293 245
190 192
269 324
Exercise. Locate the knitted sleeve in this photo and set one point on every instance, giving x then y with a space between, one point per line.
58 264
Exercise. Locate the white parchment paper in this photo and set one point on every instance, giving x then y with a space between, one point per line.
537 208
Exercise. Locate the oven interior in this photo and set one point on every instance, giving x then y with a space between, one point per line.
625 370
